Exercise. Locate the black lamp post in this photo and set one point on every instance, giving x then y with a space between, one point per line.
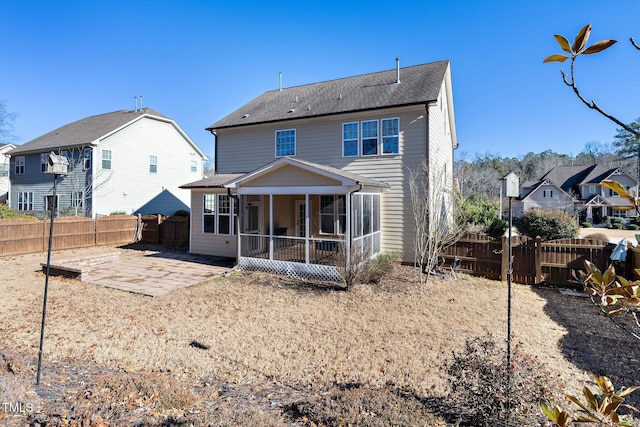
57 165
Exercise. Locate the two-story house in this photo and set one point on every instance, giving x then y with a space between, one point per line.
4 171
308 172
124 161
578 190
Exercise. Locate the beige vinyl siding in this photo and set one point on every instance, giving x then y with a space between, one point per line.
289 175
208 243
320 141
129 183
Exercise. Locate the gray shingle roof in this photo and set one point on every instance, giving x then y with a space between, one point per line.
83 131
419 84
213 181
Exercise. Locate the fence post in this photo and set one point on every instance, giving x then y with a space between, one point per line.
505 259
538 261
159 222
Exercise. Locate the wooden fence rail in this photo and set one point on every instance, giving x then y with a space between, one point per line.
534 261
23 236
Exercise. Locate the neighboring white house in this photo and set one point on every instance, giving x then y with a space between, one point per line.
4 171
309 171
124 161
578 190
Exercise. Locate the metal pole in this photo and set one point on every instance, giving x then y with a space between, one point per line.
46 280
509 276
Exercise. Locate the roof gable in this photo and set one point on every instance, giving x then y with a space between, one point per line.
91 130
418 85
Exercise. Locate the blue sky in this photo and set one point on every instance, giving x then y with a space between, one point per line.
196 61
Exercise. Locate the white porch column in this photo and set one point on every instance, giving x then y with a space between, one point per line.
589 214
347 230
271 226
307 227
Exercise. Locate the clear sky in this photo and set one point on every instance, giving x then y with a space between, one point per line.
197 61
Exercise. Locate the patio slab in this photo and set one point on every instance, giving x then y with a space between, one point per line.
152 274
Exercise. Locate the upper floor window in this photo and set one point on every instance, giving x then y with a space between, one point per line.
194 166
547 194
4 169
390 136
106 159
86 158
370 138
592 189
19 165
153 164
350 139
285 142
44 161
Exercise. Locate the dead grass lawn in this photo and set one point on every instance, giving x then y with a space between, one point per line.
261 331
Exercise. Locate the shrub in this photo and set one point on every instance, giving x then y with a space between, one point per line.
616 225
497 228
587 225
549 225
633 227
478 383
382 265
598 236
476 210
181 212
118 213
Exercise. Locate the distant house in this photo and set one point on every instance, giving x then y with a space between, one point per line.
578 190
124 161
308 172
4 171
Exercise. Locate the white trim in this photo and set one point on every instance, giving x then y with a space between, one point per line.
321 189
357 139
382 153
361 150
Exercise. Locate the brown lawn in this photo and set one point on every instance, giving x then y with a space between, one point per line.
246 346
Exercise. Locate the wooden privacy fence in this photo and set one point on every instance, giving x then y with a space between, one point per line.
23 236
534 261
168 231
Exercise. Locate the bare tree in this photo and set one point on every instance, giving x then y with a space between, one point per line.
433 202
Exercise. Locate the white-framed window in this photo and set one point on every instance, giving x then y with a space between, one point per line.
19 165
218 214
333 214
77 199
592 189
4 169
194 166
153 164
390 136
106 159
44 161
350 139
86 159
366 214
285 142
25 201
547 194
369 138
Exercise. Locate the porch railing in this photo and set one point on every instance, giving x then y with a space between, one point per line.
292 249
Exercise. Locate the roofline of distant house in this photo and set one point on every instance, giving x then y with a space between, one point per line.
213 129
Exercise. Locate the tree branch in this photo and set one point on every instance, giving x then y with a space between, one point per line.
592 105
633 43
615 322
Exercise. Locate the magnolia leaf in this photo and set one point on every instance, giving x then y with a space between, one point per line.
599 46
581 39
555 58
577 402
622 192
591 399
563 42
609 276
552 414
628 391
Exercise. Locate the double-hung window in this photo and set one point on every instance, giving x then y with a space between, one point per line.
86 158
350 139
44 161
19 165
153 164
370 138
25 201
106 159
285 142
194 166
547 194
333 214
218 214
390 136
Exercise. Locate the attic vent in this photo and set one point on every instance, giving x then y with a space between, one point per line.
244 116
293 110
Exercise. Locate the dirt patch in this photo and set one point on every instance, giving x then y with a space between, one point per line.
264 343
